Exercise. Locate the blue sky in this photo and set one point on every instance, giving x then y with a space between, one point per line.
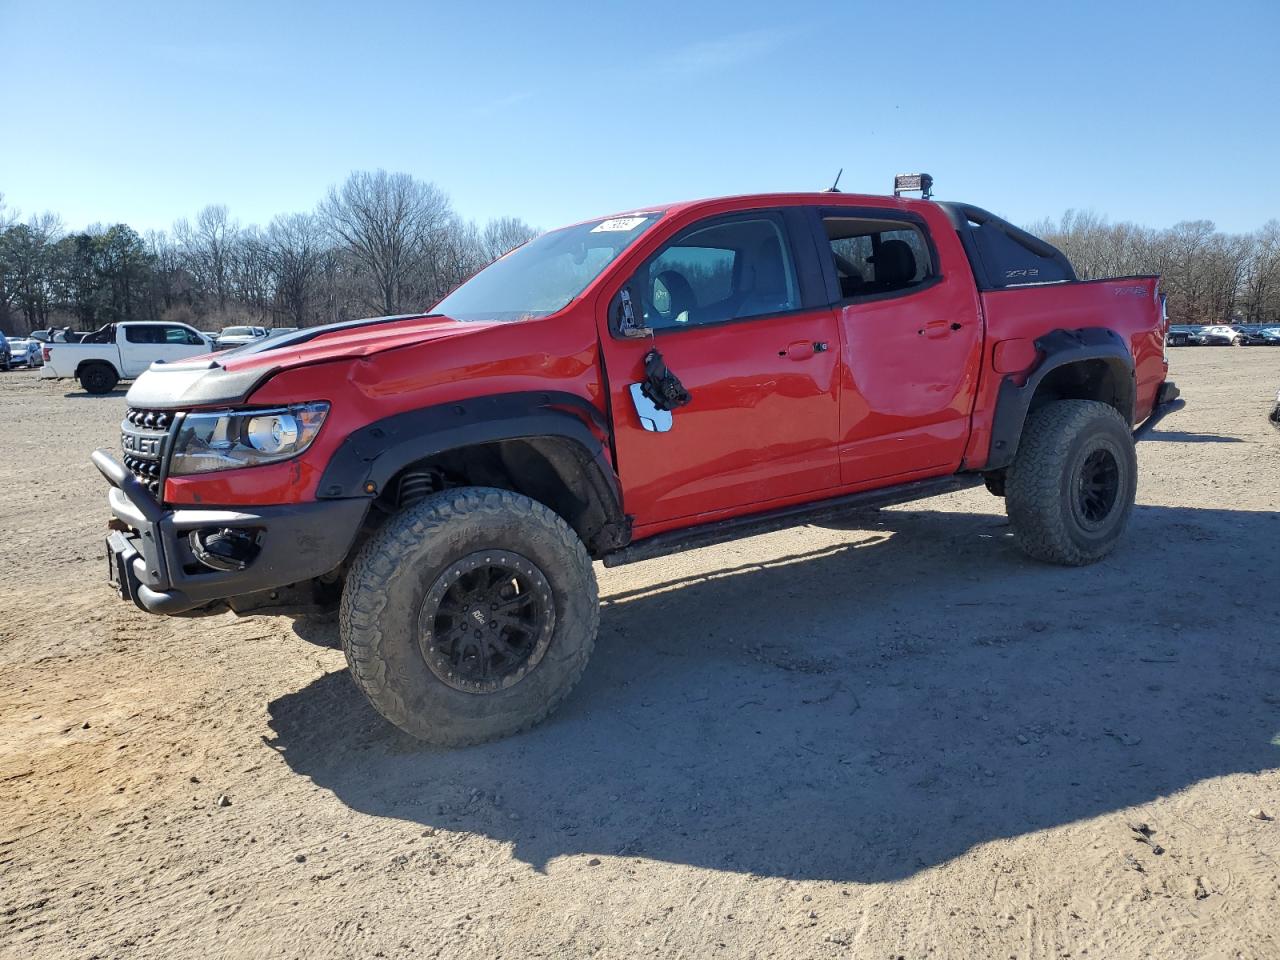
144 112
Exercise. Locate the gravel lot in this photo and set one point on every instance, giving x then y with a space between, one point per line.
894 738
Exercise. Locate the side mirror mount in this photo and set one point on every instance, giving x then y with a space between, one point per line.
630 320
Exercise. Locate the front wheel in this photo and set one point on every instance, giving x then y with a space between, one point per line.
1070 489
470 615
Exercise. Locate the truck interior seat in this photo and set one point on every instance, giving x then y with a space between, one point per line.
895 265
681 296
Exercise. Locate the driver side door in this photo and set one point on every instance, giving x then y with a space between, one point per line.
736 309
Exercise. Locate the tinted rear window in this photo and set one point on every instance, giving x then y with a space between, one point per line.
1009 262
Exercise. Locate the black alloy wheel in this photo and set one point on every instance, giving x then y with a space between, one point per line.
486 621
1097 487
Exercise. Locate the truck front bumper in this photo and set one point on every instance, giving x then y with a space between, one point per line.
151 560
1168 399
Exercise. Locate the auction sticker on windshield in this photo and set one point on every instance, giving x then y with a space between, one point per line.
623 224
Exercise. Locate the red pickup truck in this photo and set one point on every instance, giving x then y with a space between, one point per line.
626 387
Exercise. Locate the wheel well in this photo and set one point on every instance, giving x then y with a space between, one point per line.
555 471
1106 380
86 364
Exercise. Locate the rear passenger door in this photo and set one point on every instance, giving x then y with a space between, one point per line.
146 343
739 314
911 340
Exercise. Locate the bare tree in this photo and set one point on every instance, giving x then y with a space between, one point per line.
296 251
252 279
27 270
1261 288
388 221
502 235
1206 274
8 214
208 247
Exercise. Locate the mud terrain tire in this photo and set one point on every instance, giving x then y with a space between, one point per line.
1070 489
417 566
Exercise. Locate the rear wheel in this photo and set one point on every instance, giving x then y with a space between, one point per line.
1070 489
99 378
470 615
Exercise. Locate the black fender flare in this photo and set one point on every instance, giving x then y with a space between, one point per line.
370 457
1058 349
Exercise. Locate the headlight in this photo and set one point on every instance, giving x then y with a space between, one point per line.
244 438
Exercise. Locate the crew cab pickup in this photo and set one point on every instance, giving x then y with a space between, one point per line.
626 387
121 351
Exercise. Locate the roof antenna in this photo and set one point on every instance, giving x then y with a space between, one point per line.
835 188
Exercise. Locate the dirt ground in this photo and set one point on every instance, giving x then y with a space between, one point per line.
893 739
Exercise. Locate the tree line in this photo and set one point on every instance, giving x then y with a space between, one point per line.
385 243
380 243
1207 276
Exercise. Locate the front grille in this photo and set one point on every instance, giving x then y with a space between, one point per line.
144 441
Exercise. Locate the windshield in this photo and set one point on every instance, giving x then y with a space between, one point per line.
546 273
238 332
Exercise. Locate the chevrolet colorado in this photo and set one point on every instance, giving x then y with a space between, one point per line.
619 389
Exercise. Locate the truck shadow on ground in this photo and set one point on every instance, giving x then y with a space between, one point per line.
1182 436
862 711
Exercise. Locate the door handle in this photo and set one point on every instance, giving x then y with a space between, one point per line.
937 328
804 349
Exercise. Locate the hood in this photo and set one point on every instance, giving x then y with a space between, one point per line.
231 376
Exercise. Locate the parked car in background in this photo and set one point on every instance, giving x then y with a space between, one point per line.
1180 335
6 357
1219 335
1269 337
232 337
121 351
24 352
280 331
1252 333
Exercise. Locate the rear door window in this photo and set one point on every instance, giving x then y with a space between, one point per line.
135 334
875 257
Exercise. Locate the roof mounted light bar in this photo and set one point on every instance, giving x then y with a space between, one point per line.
905 182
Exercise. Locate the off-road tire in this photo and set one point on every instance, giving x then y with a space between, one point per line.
395 570
1043 485
98 378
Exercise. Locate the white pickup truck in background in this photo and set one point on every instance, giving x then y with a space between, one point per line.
121 351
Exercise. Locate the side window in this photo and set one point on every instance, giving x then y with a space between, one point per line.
877 256
181 335
142 334
719 271
1010 262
